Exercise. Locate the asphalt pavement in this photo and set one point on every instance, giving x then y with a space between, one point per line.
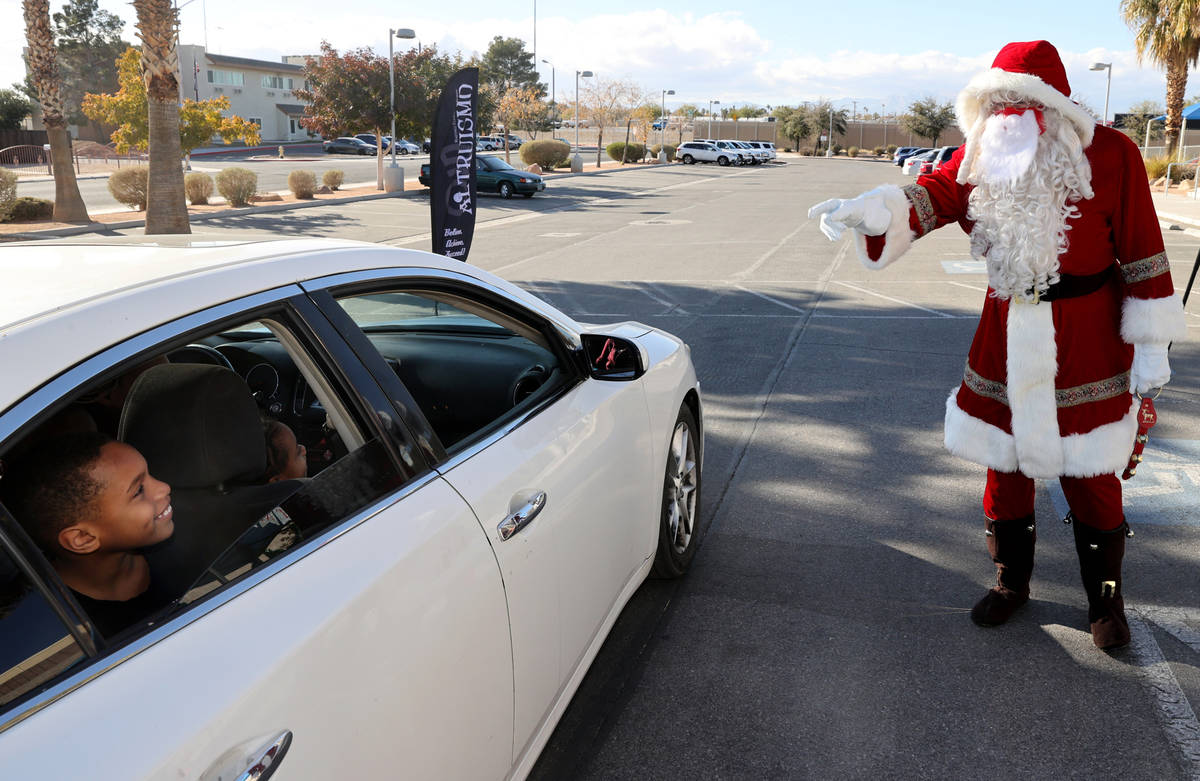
823 631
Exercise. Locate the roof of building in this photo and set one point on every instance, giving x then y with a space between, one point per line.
291 109
246 62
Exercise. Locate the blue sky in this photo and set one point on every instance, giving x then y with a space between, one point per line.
880 55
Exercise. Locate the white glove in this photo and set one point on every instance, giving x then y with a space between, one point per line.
867 214
1150 368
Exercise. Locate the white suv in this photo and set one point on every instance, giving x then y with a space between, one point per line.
705 152
764 146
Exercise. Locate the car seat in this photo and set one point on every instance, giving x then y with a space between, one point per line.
199 430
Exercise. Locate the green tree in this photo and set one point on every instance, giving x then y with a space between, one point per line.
420 77
819 117
794 124
89 43
14 107
1135 120
1167 32
507 64
128 110
929 118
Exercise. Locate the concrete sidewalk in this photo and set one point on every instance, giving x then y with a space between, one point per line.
1177 211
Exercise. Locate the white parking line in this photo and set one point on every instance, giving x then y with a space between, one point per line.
894 300
1179 721
765 297
976 288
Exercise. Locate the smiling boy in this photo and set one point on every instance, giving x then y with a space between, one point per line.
92 505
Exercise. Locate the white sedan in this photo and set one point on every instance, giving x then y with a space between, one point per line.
412 586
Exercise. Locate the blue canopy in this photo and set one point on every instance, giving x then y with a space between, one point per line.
1189 112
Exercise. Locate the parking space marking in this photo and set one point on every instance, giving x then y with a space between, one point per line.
964 266
763 258
558 235
893 300
976 288
1179 721
1176 621
765 297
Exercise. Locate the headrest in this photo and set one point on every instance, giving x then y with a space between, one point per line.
196 425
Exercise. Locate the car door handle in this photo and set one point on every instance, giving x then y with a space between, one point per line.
267 758
522 517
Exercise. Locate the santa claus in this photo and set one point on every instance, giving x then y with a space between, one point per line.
1079 312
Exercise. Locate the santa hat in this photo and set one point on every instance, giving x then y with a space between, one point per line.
1033 70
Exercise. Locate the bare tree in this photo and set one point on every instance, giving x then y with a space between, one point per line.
43 66
608 103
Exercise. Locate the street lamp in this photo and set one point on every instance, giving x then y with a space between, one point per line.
403 32
883 111
1104 66
662 130
710 105
586 75
552 101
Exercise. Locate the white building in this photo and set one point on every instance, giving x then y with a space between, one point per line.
258 90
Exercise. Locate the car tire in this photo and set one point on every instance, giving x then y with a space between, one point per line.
505 190
688 159
678 526
403 150
723 160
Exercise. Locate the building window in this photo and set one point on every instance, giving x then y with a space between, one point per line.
255 120
272 82
226 77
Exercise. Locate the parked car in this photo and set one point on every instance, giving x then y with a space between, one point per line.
736 153
370 139
704 152
349 146
514 142
403 146
493 175
659 124
906 152
757 156
423 605
765 146
912 165
933 160
490 143
426 145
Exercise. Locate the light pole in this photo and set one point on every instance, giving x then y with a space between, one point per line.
403 32
829 142
552 101
710 105
662 130
1104 66
576 160
861 122
883 111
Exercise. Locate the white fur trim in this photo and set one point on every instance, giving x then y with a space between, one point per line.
1032 365
1104 450
1157 320
973 439
898 237
970 101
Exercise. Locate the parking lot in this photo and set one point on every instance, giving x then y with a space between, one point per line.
823 631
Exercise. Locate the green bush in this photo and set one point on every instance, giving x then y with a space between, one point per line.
654 150
129 185
237 185
27 209
302 183
852 152
199 187
633 151
878 151
8 192
333 178
547 153
1156 168
891 149
838 149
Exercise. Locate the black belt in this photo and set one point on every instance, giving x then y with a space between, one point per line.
1074 285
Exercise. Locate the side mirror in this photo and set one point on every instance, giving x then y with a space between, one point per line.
612 358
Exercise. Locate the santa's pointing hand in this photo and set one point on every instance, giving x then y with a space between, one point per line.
866 214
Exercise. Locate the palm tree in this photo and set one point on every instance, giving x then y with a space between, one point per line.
166 204
43 66
1167 32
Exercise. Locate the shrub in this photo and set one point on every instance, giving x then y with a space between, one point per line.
8 192
1156 168
27 208
633 151
198 187
878 151
852 152
547 153
302 183
237 185
654 150
128 186
838 149
333 178
891 149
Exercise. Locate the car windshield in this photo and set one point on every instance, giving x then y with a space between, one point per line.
495 164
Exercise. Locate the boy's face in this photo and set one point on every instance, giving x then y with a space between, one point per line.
296 465
132 510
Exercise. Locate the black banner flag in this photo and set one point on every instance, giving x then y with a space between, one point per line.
452 166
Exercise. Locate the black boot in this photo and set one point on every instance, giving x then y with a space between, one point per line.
1011 545
1100 554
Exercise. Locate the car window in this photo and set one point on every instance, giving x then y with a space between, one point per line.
219 427
467 367
35 644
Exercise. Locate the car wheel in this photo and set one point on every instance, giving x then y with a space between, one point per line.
688 159
506 190
723 160
403 150
679 529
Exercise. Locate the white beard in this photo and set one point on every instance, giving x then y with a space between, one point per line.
1023 183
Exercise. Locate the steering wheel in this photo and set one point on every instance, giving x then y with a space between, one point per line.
200 353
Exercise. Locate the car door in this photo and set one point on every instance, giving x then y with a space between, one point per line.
565 489
359 630
486 180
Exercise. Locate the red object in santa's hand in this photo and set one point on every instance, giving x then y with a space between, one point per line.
1147 417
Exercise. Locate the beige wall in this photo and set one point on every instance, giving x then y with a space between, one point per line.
250 99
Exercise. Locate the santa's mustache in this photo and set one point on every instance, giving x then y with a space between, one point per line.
1007 147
